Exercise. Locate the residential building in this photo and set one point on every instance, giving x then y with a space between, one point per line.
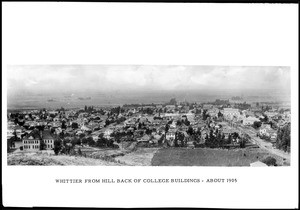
170 135
266 130
249 120
107 133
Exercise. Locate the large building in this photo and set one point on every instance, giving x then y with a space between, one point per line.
32 142
271 114
230 113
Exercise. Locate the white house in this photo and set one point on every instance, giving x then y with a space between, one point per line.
250 120
170 135
266 130
107 133
271 114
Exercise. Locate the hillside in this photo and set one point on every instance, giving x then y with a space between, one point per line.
48 160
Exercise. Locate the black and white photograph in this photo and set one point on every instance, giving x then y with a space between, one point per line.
146 105
148 115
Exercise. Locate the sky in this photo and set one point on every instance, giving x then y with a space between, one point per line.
72 78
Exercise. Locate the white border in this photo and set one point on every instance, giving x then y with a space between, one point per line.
157 34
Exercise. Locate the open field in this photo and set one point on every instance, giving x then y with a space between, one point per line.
139 157
209 157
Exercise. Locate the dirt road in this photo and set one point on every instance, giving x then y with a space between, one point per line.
265 145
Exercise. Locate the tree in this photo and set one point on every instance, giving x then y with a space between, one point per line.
57 146
235 135
223 139
270 161
187 123
161 139
42 145
242 143
265 119
75 141
110 143
102 142
10 143
176 140
273 125
91 142
72 151
283 140
190 131
139 125
167 128
67 147
219 139
198 111
148 131
256 124
204 114
229 140
74 125
107 122
220 114
179 139
62 135
211 140
63 125
82 135
244 139
198 131
178 123
84 140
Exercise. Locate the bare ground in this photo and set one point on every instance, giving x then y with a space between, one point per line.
139 157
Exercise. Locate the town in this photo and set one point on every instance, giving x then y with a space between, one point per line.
227 124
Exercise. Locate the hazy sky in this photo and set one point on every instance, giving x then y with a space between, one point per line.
72 78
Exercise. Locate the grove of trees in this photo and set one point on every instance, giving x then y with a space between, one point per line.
283 140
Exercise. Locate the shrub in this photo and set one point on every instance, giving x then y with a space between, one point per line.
270 161
256 124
